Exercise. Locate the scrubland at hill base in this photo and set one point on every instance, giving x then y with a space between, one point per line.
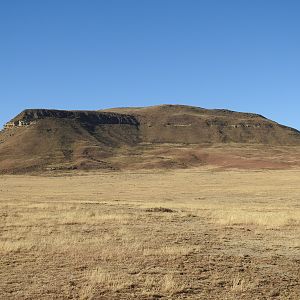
198 233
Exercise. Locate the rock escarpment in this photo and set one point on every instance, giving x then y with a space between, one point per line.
92 117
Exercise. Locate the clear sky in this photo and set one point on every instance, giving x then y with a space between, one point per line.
241 55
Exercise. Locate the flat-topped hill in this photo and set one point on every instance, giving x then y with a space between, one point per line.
164 136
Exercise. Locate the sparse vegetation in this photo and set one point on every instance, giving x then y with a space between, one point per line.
220 235
240 284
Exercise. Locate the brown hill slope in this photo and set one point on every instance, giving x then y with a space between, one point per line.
193 125
64 139
161 136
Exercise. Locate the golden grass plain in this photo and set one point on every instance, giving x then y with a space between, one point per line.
182 234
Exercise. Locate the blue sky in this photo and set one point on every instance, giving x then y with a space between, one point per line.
70 54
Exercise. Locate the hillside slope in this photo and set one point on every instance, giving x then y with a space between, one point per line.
193 125
64 139
163 136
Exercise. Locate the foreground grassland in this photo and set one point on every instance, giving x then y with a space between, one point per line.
186 234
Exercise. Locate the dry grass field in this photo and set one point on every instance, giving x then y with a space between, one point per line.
180 234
